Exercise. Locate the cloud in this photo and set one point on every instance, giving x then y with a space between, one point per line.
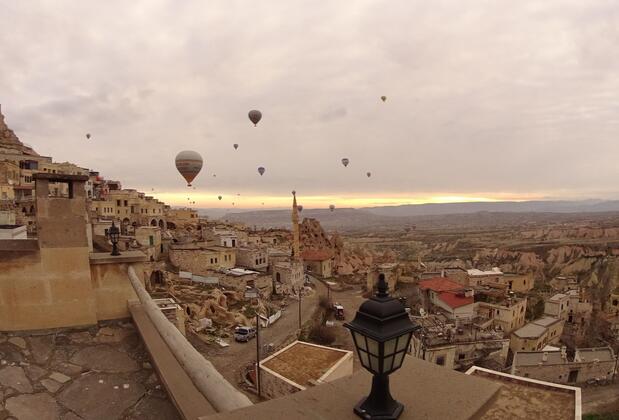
504 97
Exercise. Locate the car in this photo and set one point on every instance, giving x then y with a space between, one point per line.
244 334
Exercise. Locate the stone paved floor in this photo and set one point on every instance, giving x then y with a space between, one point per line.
95 374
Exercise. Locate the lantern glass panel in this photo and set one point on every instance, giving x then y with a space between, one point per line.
374 366
403 342
363 357
360 341
387 364
390 346
373 346
397 361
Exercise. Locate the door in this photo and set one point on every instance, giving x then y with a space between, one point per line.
573 377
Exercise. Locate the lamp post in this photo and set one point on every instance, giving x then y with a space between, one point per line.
254 293
114 235
381 332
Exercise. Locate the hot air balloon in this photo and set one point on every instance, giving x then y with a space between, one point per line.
261 170
300 208
255 116
214 175
235 145
345 162
383 98
331 207
233 204
189 164
88 136
369 174
219 197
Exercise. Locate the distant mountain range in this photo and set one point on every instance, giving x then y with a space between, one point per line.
427 215
431 209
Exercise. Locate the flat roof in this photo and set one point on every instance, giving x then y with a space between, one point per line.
603 354
530 330
525 398
304 363
546 321
533 358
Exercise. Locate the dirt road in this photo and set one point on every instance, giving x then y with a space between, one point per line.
600 399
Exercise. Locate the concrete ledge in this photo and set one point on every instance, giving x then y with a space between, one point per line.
19 245
125 257
187 399
427 391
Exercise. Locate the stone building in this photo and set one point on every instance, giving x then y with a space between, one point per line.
537 334
520 283
556 366
392 272
200 258
131 208
481 277
448 297
55 281
149 239
253 258
508 314
318 262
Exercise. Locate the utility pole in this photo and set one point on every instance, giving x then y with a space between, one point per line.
258 354
300 294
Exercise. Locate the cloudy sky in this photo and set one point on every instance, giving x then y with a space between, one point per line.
485 99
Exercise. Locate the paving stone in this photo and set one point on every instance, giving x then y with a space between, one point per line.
42 348
92 400
40 406
51 385
151 407
112 335
59 377
10 355
83 337
18 341
104 358
68 369
71 416
35 372
14 377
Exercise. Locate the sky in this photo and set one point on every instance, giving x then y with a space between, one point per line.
486 100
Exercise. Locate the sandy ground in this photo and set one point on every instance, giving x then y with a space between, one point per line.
601 399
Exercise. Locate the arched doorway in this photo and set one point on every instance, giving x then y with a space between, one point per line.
153 222
161 224
156 279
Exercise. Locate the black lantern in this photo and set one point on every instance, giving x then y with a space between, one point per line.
382 333
114 235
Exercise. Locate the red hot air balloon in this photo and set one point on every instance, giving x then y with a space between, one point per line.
255 116
189 164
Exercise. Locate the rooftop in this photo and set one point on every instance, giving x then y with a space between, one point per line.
546 321
475 272
557 297
455 300
602 354
523 398
534 358
530 330
440 284
317 254
304 363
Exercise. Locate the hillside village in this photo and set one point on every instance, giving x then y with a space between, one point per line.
554 319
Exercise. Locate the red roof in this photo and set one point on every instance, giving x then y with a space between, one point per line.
317 254
455 300
440 284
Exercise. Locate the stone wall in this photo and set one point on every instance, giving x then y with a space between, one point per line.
274 386
202 260
559 373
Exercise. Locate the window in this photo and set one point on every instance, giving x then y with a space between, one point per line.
440 360
125 203
461 356
151 240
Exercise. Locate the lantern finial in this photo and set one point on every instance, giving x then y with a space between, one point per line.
383 287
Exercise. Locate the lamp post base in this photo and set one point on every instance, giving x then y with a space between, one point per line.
379 405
